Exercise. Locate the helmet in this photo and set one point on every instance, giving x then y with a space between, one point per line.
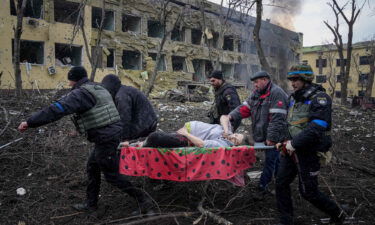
302 71
259 75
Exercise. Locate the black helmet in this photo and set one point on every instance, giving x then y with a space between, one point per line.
259 75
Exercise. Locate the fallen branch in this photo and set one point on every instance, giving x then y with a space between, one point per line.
149 219
14 141
7 120
59 217
360 168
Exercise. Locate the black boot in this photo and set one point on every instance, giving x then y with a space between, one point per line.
338 220
145 207
85 207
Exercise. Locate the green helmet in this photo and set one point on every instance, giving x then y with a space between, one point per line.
302 71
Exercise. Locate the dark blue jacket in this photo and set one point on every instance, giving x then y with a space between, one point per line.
78 101
137 114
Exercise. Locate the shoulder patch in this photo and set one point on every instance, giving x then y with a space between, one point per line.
322 100
228 97
279 103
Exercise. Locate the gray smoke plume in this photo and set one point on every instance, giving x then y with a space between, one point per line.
284 12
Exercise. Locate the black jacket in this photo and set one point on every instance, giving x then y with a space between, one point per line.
314 136
137 114
268 111
78 100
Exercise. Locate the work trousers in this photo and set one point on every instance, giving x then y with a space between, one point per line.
308 186
270 167
104 158
161 139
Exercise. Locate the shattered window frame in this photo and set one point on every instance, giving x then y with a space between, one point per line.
109 22
31 51
364 60
324 63
228 43
128 58
112 56
129 17
31 10
152 32
162 64
321 79
72 50
66 12
178 34
225 67
178 58
195 33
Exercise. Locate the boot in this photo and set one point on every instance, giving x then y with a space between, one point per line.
85 207
338 220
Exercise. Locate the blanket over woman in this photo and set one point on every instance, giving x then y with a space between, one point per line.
187 164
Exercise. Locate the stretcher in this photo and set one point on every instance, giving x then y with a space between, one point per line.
188 164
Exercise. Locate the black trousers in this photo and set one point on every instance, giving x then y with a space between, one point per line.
308 187
104 158
160 139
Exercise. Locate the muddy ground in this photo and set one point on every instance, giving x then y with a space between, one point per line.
49 164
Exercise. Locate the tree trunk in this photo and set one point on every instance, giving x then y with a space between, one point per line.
256 31
17 47
95 55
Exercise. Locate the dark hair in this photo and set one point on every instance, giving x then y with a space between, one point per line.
216 74
77 73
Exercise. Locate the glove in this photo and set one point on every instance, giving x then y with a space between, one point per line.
289 148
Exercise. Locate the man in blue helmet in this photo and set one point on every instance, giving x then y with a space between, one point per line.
267 107
309 120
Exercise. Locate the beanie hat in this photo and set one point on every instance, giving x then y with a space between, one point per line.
112 83
302 71
216 74
77 73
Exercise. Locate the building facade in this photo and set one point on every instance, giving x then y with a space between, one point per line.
324 59
51 42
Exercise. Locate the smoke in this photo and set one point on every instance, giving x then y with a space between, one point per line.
284 11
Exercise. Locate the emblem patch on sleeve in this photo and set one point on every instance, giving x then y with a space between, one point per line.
279 103
322 100
228 97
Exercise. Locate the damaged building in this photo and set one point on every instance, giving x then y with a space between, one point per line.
132 32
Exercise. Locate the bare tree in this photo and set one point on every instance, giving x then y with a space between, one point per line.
256 35
339 12
329 53
20 8
94 56
165 15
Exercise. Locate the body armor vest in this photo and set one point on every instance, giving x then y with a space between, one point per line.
102 114
298 116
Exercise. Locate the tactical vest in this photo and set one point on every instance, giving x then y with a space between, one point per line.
298 116
103 113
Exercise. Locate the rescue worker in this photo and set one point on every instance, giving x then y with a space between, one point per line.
97 117
137 115
309 120
226 99
267 107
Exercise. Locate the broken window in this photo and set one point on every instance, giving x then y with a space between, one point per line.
161 65
364 60
31 52
110 57
199 66
178 63
208 68
321 79
155 29
196 36
361 93
241 46
338 62
66 54
131 60
131 23
66 12
321 62
228 43
33 9
215 39
227 70
240 72
338 94
363 78
109 19
178 34
338 78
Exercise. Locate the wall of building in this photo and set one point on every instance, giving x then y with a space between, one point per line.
356 86
282 47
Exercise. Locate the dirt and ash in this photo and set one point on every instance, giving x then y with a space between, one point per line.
43 175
